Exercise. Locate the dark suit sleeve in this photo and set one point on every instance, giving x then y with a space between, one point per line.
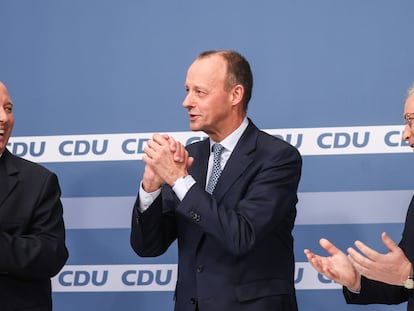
374 292
34 246
153 231
378 292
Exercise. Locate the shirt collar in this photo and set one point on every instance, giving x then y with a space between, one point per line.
231 140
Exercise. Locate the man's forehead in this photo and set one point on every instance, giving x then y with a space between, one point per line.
208 68
4 94
409 104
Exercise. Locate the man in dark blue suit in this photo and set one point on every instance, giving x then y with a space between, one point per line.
32 232
372 277
235 242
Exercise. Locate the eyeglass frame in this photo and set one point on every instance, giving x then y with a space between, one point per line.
408 118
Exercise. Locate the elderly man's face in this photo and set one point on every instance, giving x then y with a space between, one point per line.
6 117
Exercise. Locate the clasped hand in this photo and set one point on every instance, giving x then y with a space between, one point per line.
166 160
391 268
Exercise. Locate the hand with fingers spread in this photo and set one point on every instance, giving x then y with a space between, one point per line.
336 267
391 268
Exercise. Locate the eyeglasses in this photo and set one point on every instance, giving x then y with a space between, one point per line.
408 118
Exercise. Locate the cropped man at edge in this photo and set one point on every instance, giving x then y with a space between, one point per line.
369 277
229 200
32 233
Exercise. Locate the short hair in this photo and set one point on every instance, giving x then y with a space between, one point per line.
410 91
238 71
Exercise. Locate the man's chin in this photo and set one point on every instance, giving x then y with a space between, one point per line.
194 127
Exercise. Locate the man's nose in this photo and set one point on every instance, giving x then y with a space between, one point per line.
3 115
407 132
187 101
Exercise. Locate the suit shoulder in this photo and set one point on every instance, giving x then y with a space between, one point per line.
197 144
265 140
27 166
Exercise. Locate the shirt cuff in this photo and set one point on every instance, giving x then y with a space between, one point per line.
146 198
182 185
354 292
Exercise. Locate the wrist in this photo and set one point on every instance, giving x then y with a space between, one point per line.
409 282
177 179
150 187
355 287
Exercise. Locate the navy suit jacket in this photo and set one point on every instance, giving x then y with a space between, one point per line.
378 292
235 247
32 234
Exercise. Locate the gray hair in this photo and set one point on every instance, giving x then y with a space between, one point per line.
410 91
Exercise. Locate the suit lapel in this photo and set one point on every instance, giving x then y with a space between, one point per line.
8 175
199 168
238 162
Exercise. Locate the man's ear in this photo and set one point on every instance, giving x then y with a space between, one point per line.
237 94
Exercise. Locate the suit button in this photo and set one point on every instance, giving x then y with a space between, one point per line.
193 301
199 268
195 216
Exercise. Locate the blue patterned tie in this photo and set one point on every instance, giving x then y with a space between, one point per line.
216 171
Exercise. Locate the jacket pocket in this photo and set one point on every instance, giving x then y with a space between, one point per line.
263 288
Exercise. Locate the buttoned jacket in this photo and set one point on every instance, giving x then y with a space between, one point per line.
235 246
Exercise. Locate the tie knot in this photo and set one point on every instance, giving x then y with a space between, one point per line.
217 149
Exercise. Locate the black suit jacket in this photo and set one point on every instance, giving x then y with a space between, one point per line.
235 247
32 234
378 292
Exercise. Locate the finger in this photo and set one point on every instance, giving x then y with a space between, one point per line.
165 136
173 145
309 254
361 269
329 247
160 139
360 262
367 251
316 262
151 144
151 148
190 162
147 151
179 153
388 242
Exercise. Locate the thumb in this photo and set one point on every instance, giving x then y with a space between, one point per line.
388 242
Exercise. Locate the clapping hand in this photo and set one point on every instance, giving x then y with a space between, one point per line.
337 267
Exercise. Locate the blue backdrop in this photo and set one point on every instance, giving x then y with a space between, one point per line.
91 80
